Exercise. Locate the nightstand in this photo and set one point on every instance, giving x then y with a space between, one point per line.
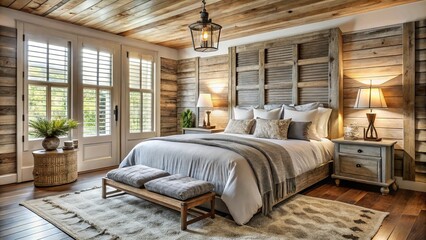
201 130
366 162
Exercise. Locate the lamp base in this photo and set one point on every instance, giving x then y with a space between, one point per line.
371 133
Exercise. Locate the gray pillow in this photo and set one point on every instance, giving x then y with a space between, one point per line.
179 186
304 107
299 130
136 176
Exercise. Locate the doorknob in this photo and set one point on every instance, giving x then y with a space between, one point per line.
116 113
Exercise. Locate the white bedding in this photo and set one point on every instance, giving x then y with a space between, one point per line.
229 171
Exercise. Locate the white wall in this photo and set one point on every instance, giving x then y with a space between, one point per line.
8 17
385 17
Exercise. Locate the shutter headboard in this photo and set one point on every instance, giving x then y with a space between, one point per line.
294 70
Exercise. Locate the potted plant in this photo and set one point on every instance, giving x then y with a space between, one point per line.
51 130
186 119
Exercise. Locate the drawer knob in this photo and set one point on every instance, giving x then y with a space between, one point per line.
359 150
358 165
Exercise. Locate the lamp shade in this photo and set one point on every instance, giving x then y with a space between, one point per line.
205 100
370 98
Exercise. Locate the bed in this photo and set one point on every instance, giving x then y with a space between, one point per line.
234 179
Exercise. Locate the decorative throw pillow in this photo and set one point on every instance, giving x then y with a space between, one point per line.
308 116
239 126
269 107
243 113
323 116
274 129
299 130
265 114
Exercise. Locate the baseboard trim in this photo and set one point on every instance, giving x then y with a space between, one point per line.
411 185
8 179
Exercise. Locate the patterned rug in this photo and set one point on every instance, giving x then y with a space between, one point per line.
85 215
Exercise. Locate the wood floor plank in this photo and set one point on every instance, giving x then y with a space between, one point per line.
418 231
406 219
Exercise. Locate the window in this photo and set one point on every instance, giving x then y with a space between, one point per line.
97 92
141 77
48 80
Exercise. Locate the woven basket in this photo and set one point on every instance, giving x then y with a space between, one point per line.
52 168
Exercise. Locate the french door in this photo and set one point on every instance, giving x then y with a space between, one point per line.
98 101
137 97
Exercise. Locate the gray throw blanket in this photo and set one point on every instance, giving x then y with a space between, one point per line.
270 162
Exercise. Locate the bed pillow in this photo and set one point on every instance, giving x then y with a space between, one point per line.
303 107
239 126
299 130
307 116
273 114
269 107
243 113
323 116
274 129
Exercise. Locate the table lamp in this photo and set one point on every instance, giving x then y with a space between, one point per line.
370 98
205 101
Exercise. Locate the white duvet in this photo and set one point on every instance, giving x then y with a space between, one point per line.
231 174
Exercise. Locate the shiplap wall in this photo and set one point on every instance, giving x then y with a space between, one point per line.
420 104
7 100
203 75
168 98
376 55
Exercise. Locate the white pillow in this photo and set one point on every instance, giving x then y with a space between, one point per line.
323 116
273 114
307 116
243 113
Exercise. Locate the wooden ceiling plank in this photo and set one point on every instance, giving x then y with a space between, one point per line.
45 7
92 10
18 4
6 3
67 6
126 15
263 13
189 17
34 4
107 12
165 9
77 9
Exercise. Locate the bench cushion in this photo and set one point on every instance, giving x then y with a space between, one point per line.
136 176
179 186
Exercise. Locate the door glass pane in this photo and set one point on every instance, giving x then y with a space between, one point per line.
37 103
135 112
59 100
89 112
147 113
104 112
134 73
147 75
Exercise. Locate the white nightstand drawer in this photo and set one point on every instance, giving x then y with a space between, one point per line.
367 169
360 150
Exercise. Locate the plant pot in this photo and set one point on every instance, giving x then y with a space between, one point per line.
50 143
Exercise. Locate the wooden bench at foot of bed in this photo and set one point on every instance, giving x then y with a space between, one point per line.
180 205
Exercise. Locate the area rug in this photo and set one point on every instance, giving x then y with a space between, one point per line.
85 215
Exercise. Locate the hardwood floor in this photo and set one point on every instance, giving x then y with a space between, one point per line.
407 218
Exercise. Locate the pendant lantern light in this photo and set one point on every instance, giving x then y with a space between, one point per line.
205 34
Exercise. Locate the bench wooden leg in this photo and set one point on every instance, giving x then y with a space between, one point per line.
103 188
212 212
183 216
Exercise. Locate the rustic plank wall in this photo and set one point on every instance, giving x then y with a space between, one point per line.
7 100
168 98
213 79
420 103
376 55
203 75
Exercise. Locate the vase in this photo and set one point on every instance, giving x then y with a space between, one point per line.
50 143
